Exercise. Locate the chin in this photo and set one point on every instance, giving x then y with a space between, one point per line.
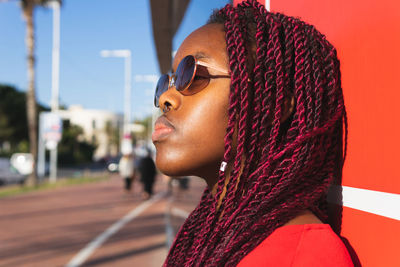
171 165
177 164
172 169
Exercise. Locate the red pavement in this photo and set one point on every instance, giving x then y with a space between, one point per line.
49 228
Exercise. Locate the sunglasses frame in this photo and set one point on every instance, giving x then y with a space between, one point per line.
172 78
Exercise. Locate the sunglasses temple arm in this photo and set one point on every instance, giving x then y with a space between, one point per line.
201 63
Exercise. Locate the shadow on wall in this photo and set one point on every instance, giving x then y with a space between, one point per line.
335 212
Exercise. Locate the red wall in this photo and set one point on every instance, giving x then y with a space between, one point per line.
366 34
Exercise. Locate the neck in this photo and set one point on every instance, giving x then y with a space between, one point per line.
212 184
304 217
210 174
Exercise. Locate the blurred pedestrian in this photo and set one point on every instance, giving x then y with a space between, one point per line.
147 170
126 170
183 182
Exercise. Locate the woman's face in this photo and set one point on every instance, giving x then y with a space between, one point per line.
193 143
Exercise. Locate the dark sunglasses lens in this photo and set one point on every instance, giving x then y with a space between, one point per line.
200 80
184 73
162 86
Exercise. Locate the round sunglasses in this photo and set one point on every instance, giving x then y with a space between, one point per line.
190 77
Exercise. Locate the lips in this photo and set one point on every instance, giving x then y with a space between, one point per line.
162 128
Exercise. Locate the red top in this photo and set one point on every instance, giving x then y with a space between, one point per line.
300 245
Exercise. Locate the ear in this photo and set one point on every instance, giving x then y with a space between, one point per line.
288 107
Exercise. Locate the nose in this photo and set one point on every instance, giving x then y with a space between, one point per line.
170 99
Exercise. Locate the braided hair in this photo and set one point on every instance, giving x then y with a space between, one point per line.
280 167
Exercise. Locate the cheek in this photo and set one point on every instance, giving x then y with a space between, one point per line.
199 141
208 124
207 128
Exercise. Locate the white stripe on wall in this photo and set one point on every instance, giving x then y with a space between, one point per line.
268 5
376 202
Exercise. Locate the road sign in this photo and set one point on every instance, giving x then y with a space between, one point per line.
52 129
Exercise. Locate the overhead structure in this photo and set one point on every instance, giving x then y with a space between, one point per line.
166 17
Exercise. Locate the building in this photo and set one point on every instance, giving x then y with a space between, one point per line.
100 127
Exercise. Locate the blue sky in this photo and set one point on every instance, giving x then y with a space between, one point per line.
87 27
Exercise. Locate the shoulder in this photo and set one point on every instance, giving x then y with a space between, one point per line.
300 245
320 246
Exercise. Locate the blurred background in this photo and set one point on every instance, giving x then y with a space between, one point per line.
77 80
79 74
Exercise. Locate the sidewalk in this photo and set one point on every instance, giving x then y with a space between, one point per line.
49 228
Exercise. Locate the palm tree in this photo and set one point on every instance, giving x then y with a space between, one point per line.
28 7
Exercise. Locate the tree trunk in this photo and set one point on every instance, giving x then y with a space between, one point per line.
31 107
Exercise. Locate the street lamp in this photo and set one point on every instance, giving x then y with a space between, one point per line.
127 101
55 84
55 80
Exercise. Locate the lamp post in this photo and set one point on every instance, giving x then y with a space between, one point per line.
126 144
55 84
55 81
126 54
55 77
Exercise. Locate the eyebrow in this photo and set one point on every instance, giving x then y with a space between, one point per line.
200 55
197 55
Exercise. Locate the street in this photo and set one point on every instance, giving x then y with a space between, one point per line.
95 224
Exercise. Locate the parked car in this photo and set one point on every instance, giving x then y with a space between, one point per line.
22 162
8 174
112 164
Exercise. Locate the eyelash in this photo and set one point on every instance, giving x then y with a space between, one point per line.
197 77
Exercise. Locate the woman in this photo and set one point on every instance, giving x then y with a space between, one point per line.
255 107
147 171
126 170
